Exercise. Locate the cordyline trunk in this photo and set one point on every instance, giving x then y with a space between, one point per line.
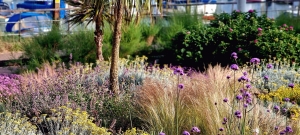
98 38
115 48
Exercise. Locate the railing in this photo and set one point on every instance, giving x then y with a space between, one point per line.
169 7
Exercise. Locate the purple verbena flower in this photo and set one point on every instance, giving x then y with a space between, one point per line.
288 129
185 133
178 71
251 11
235 57
245 105
225 100
234 67
239 97
162 133
276 108
255 60
286 99
238 114
246 95
195 130
228 77
276 128
233 54
180 86
248 100
291 85
266 77
248 86
284 110
269 66
221 129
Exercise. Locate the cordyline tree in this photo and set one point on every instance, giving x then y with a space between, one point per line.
112 11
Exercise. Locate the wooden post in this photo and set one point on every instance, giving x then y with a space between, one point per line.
56 12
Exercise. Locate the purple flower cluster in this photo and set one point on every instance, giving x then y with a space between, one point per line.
178 71
9 85
269 66
286 99
180 86
288 129
224 121
234 67
162 133
234 55
225 100
276 108
255 61
291 85
238 114
195 130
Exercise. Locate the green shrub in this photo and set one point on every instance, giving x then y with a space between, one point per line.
131 40
81 45
43 48
245 33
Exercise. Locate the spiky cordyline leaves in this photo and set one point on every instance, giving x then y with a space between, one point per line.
90 11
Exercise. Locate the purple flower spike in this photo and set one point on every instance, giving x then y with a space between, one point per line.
180 86
195 130
245 105
269 66
228 77
225 100
291 85
255 60
185 133
239 97
286 99
221 129
162 133
276 128
234 67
